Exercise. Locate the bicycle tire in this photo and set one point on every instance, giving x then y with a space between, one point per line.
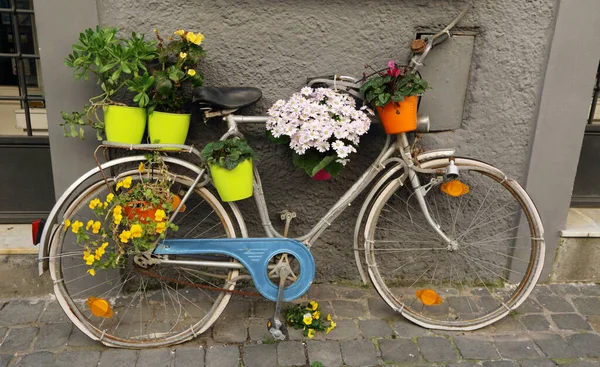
464 288
192 309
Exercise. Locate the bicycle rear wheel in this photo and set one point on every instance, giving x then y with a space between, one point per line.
494 266
150 305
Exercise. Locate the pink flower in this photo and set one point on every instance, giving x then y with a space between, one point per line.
393 70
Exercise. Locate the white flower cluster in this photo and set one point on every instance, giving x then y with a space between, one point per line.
319 118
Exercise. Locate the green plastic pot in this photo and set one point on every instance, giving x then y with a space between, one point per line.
168 128
124 124
235 184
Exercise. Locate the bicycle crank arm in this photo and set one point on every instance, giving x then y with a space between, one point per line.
254 254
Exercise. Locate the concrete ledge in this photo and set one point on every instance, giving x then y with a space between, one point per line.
577 260
15 239
582 222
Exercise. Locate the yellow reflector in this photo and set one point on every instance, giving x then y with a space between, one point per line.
455 188
429 297
100 307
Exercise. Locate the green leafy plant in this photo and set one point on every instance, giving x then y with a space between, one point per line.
308 318
392 84
178 60
112 62
227 153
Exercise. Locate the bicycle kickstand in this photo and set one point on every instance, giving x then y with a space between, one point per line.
275 326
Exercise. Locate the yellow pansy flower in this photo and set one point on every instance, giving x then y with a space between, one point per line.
89 260
127 182
136 231
159 215
313 305
198 39
96 227
307 318
109 197
117 210
332 326
182 55
311 333
94 203
86 253
328 317
316 315
117 219
141 167
100 251
66 224
179 32
92 272
76 226
125 236
119 185
191 72
190 37
88 225
160 227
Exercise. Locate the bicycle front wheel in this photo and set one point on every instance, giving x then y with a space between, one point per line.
491 265
145 304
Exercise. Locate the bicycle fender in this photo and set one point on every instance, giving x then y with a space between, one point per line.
254 254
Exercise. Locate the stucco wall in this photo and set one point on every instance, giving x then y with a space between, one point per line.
275 45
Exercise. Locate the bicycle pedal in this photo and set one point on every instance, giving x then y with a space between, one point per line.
277 329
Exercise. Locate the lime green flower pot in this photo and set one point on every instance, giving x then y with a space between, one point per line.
235 184
124 124
168 128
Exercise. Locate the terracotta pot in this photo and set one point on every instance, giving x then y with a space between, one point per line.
399 117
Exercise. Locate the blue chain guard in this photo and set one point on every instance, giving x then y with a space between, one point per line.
254 254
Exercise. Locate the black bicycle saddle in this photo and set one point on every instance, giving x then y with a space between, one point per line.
227 97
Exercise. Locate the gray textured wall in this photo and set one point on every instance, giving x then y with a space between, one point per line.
275 45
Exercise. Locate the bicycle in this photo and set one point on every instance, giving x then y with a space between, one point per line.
480 253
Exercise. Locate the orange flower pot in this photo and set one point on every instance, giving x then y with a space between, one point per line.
396 123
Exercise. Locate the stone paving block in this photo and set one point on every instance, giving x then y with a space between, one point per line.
18 339
52 336
3 331
515 347
260 355
230 331
345 329
406 329
462 364
437 349
535 322
20 312
538 362
530 306
565 289
53 313
5 359
222 356
355 293
587 305
163 357
471 347
570 321
542 290
380 309
399 351
554 346
237 308
322 292
462 304
257 329
509 325
359 353
499 364
264 310
375 329
35 359
84 358
594 321
577 363
185 356
348 309
79 339
590 289
290 353
555 303
327 352
296 334
585 344
118 358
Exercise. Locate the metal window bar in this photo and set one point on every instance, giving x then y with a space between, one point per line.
595 97
19 57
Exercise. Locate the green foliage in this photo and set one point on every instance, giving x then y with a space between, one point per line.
313 161
113 62
316 364
227 153
393 85
308 318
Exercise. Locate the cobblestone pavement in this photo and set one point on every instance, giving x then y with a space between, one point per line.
558 325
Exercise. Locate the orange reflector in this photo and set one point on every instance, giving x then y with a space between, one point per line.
455 188
429 297
100 307
175 203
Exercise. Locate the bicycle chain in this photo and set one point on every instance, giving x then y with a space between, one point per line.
207 287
